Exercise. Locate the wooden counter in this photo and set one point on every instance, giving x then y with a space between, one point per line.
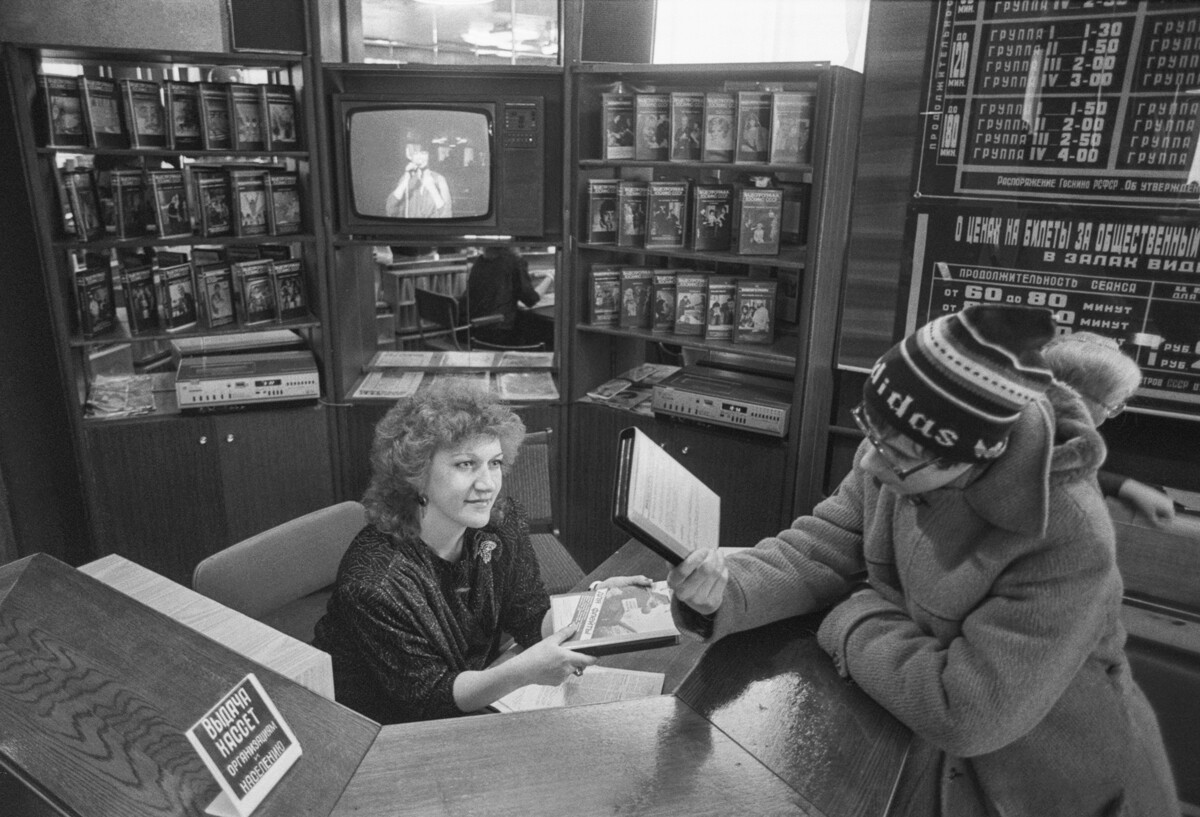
304 664
757 724
97 690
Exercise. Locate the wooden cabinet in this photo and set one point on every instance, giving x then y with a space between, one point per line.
764 481
163 488
165 493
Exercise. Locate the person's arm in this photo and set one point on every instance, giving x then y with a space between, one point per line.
1150 502
991 676
523 284
396 636
546 662
805 567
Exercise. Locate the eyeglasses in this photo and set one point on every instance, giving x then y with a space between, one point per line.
886 453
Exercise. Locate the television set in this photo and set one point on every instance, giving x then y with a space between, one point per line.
434 167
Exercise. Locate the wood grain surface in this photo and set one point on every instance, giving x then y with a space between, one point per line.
649 757
96 690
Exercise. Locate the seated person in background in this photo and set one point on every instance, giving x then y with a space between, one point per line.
498 281
1095 368
969 572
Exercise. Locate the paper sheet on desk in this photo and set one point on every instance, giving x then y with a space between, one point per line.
596 685
1187 501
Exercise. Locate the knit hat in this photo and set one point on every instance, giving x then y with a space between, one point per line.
957 385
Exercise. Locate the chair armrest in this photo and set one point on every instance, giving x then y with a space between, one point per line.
487 320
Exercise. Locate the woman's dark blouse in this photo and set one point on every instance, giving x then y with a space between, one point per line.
403 623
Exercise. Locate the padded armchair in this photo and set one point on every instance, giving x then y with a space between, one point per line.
440 325
529 482
283 576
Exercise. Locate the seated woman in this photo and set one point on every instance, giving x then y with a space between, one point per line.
499 280
442 570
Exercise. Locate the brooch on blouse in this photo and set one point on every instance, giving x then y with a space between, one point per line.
485 549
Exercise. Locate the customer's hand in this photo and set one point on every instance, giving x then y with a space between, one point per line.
699 580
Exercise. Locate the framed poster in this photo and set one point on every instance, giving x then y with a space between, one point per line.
1086 100
1130 277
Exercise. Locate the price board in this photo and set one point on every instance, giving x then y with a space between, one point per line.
1133 279
1091 100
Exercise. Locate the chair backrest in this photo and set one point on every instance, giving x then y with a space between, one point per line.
530 481
282 564
441 312
501 347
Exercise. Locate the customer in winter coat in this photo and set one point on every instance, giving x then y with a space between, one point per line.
968 565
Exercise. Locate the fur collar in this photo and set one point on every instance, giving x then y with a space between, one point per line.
1053 442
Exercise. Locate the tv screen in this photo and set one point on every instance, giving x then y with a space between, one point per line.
410 162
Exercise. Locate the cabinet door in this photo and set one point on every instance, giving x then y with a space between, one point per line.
746 471
154 491
589 532
274 466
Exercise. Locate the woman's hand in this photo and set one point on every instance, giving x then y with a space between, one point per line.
624 581
699 580
549 663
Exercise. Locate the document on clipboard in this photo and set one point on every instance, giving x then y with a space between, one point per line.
660 502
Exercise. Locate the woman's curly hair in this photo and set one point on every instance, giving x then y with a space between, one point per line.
415 429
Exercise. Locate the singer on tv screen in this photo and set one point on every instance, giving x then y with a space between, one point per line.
420 163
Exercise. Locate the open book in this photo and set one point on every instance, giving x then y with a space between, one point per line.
661 503
616 619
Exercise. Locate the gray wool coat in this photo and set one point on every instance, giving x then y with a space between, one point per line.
990 626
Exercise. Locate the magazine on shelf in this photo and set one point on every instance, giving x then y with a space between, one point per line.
290 292
651 140
609 388
522 386
616 619
617 110
525 360
182 108
102 112
605 295
720 109
648 374
791 124
631 206
479 380
662 293
687 114
214 116
62 111
389 383
141 101
602 211
659 502
630 398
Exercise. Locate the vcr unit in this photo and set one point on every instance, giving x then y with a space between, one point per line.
223 381
726 398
